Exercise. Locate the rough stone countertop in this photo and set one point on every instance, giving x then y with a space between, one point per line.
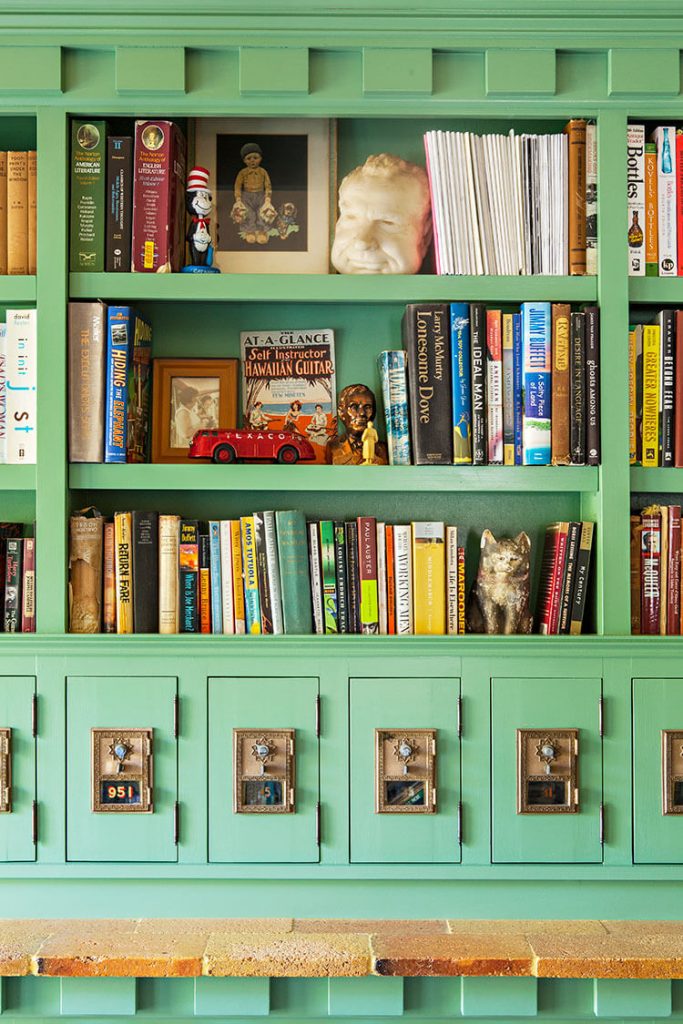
282 947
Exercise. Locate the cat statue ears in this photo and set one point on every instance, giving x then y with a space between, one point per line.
521 540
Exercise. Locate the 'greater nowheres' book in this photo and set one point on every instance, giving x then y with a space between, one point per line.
288 383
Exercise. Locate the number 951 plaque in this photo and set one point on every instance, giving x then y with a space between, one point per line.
122 770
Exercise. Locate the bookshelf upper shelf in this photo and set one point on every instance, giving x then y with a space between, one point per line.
656 480
329 288
273 479
656 289
15 288
17 478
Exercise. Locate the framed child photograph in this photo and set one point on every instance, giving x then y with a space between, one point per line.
275 191
190 395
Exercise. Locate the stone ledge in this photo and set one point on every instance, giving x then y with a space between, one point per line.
282 947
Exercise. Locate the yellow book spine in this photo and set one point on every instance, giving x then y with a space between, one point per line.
251 595
124 572
17 213
632 396
651 395
429 579
508 406
237 580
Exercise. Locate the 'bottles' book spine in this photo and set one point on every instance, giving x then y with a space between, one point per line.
426 333
116 409
635 191
393 375
536 427
461 379
651 212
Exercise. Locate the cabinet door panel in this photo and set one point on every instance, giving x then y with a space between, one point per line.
16 826
546 704
657 705
121 703
404 704
263 704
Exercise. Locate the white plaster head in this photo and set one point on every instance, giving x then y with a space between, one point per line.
385 222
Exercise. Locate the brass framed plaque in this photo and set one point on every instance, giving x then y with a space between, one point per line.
672 771
405 771
122 771
547 771
5 771
263 771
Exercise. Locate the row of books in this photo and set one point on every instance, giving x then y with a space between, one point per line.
18 210
17 579
488 387
655 201
127 197
110 349
563 585
18 379
656 571
514 204
270 572
655 388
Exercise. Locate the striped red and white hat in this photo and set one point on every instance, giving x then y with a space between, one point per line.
199 178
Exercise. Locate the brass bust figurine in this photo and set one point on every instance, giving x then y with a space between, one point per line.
356 409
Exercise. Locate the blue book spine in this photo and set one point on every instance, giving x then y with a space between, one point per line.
461 383
119 349
215 563
518 390
393 374
536 383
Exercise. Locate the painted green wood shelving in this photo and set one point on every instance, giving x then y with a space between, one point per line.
387 71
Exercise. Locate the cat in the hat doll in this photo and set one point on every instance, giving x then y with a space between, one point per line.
199 203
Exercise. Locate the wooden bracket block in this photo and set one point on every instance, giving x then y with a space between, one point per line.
520 72
631 997
103 997
232 997
406 71
498 997
365 997
644 71
150 69
30 69
271 69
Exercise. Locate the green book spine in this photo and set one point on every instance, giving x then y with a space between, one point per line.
295 577
88 165
329 576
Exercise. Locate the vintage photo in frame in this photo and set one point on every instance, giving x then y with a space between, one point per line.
274 190
190 395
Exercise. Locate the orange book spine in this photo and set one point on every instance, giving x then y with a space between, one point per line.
576 137
17 213
32 208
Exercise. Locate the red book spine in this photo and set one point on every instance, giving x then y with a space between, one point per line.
545 586
678 391
679 203
391 582
558 576
673 576
28 587
158 177
649 576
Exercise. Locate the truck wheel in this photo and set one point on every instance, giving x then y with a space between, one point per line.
224 453
288 455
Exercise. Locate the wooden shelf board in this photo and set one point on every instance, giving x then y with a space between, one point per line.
656 289
272 478
657 480
329 288
17 478
15 288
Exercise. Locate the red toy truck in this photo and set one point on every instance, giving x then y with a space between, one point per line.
227 446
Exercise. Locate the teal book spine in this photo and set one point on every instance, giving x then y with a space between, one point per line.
329 576
295 577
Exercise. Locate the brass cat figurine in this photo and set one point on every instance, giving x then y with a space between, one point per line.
499 598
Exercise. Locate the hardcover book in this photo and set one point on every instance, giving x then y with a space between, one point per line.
139 391
478 370
87 195
393 375
462 383
119 344
651 212
429 578
28 587
3 212
494 387
536 427
225 574
169 539
576 134
295 575
508 391
560 385
592 359
188 579
262 574
288 384
119 204
158 236
85 570
635 190
667 342
352 575
87 326
579 598
108 578
577 388
251 587
124 572
342 578
403 571
665 141
237 578
651 393
367 571
14 557
315 568
329 576
426 333
21 379
17 213
145 535
273 571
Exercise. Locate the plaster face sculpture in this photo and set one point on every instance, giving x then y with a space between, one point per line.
356 410
385 222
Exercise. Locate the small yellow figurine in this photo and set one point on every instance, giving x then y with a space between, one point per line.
370 438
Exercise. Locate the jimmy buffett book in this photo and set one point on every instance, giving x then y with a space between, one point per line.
288 384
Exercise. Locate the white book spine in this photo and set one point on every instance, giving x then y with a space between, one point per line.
227 601
21 387
403 573
635 191
316 577
452 580
169 596
665 138
3 393
273 569
382 576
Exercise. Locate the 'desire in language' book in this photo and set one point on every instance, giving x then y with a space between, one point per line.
288 384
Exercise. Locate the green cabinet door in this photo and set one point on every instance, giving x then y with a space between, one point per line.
657 706
404 706
266 834
16 714
122 704
545 705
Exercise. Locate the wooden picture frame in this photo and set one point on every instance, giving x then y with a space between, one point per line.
189 395
299 158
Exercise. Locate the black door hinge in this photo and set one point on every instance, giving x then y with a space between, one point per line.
34 822
176 823
317 716
176 716
34 715
318 829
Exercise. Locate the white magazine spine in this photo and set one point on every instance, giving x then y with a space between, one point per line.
316 577
403 572
273 569
21 387
226 577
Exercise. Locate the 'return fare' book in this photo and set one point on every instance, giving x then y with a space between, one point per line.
536 383
288 383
